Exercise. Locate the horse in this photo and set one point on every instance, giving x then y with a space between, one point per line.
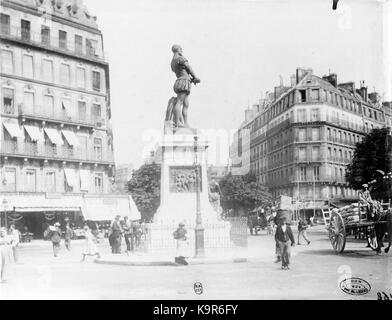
380 229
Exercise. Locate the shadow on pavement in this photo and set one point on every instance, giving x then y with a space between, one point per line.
365 253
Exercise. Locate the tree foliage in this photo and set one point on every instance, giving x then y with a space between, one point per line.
370 160
144 187
243 192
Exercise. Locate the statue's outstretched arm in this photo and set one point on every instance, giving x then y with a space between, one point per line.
190 70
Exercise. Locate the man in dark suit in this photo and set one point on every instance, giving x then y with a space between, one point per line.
284 235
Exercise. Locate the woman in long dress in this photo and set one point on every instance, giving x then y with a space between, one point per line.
90 248
6 255
182 245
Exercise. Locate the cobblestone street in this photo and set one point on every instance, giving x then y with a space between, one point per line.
315 273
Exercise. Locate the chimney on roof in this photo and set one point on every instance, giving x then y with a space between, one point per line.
255 108
301 73
349 86
387 107
362 91
374 97
387 104
293 80
332 78
248 114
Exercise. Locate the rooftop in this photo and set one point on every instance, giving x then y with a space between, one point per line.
72 10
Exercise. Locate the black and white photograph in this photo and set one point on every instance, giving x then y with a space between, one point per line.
195 150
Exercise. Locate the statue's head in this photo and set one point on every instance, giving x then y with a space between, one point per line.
176 48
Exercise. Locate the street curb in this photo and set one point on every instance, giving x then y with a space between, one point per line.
169 263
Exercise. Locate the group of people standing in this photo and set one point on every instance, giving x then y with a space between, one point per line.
9 241
130 230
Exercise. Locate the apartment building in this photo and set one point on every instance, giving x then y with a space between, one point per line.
239 151
303 139
123 175
56 136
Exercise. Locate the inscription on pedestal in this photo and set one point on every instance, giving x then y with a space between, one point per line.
182 179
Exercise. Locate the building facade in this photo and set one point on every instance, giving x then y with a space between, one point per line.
304 137
123 175
56 136
239 151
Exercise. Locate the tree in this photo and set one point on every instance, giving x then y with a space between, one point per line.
370 162
243 192
144 187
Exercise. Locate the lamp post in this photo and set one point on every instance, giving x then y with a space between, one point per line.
199 229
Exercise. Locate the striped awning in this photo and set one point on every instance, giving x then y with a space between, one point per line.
54 136
34 133
13 129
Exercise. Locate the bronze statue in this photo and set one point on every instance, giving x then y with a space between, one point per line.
182 87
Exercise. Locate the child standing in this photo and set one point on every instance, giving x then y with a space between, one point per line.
90 248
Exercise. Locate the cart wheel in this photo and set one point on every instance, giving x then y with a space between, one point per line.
372 240
337 233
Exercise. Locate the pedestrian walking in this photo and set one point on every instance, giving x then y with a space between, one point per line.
91 248
181 245
6 255
137 233
284 235
116 233
270 225
302 226
15 239
68 236
278 253
55 237
128 232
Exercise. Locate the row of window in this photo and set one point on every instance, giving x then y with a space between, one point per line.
313 95
312 115
343 137
48 107
303 154
306 174
47 71
302 135
70 177
310 192
88 47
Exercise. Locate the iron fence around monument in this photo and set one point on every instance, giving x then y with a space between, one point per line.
230 233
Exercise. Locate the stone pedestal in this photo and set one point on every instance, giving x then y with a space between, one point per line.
178 180
180 158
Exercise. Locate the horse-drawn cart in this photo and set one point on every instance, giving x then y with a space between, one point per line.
356 220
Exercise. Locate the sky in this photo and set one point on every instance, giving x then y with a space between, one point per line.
239 50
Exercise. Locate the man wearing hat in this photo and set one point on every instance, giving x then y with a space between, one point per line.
55 237
284 235
116 233
182 86
366 199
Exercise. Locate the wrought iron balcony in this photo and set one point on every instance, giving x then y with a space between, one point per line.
341 141
308 159
320 178
339 159
345 124
59 117
49 42
44 151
